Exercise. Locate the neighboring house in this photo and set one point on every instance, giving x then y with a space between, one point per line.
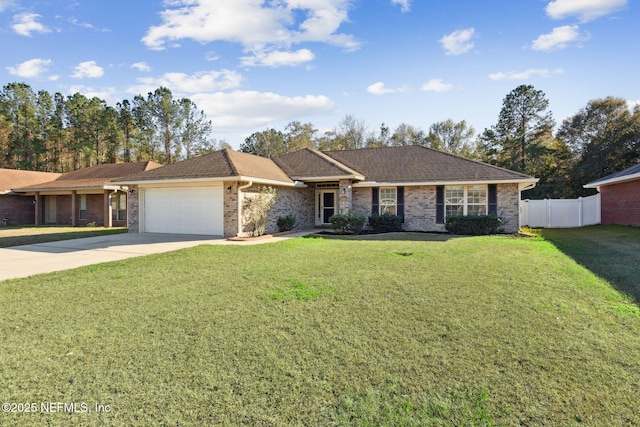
83 196
203 195
16 209
619 197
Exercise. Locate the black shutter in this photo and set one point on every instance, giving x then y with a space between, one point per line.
493 199
375 202
400 202
440 204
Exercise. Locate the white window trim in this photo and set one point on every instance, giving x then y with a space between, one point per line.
465 198
381 205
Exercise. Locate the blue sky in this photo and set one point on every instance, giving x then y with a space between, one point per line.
255 64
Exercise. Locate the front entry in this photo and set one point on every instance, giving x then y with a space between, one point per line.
325 206
50 210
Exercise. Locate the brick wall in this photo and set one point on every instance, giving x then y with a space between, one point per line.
296 201
620 203
133 209
19 210
420 207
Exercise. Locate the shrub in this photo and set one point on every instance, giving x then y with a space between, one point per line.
385 223
255 208
349 223
286 223
474 225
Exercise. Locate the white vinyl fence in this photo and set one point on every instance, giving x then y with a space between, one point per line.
558 213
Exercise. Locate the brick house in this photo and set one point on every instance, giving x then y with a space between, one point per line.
83 196
14 208
619 197
203 195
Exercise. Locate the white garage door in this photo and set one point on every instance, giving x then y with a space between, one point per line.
184 210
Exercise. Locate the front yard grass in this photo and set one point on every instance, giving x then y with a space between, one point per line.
17 236
322 332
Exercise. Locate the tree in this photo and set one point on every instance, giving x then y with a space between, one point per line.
18 106
523 124
194 129
406 134
298 136
269 143
256 207
451 137
127 128
352 132
604 137
166 118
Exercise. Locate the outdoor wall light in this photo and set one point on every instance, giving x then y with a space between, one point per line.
228 189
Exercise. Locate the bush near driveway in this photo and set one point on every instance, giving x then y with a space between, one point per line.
438 330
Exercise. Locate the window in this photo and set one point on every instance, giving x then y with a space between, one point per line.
388 200
82 212
465 200
119 206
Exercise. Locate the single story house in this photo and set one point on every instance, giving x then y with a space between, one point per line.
16 209
83 196
619 197
203 195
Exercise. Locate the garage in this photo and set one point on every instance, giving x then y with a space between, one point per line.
183 210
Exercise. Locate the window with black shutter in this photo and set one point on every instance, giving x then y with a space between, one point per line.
440 204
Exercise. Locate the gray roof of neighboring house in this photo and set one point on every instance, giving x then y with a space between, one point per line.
13 178
415 163
219 164
628 174
96 176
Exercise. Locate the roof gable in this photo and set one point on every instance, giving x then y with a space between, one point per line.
308 164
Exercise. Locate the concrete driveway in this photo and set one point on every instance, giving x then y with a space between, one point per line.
27 260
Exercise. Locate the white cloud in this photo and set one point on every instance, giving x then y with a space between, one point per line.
31 68
526 75
378 88
249 109
559 38
436 85
633 104
183 83
458 42
405 5
26 23
141 66
278 58
6 4
256 26
108 94
88 69
585 10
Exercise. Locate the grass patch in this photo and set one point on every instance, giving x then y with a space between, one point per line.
17 236
491 330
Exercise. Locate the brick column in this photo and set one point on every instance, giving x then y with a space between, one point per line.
345 196
74 221
38 208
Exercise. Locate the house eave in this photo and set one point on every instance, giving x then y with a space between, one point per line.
155 182
67 189
327 178
460 182
616 180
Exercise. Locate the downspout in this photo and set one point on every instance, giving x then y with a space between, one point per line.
242 187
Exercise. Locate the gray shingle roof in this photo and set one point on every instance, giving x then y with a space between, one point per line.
92 177
632 173
309 163
420 164
12 178
219 164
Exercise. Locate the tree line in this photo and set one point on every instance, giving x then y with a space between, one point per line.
57 133
602 138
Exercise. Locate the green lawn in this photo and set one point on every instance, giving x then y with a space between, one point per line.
17 236
413 330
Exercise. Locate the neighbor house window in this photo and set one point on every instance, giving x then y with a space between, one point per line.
82 213
119 206
388 200
465 200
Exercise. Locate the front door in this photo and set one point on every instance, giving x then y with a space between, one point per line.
326 206
50 210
